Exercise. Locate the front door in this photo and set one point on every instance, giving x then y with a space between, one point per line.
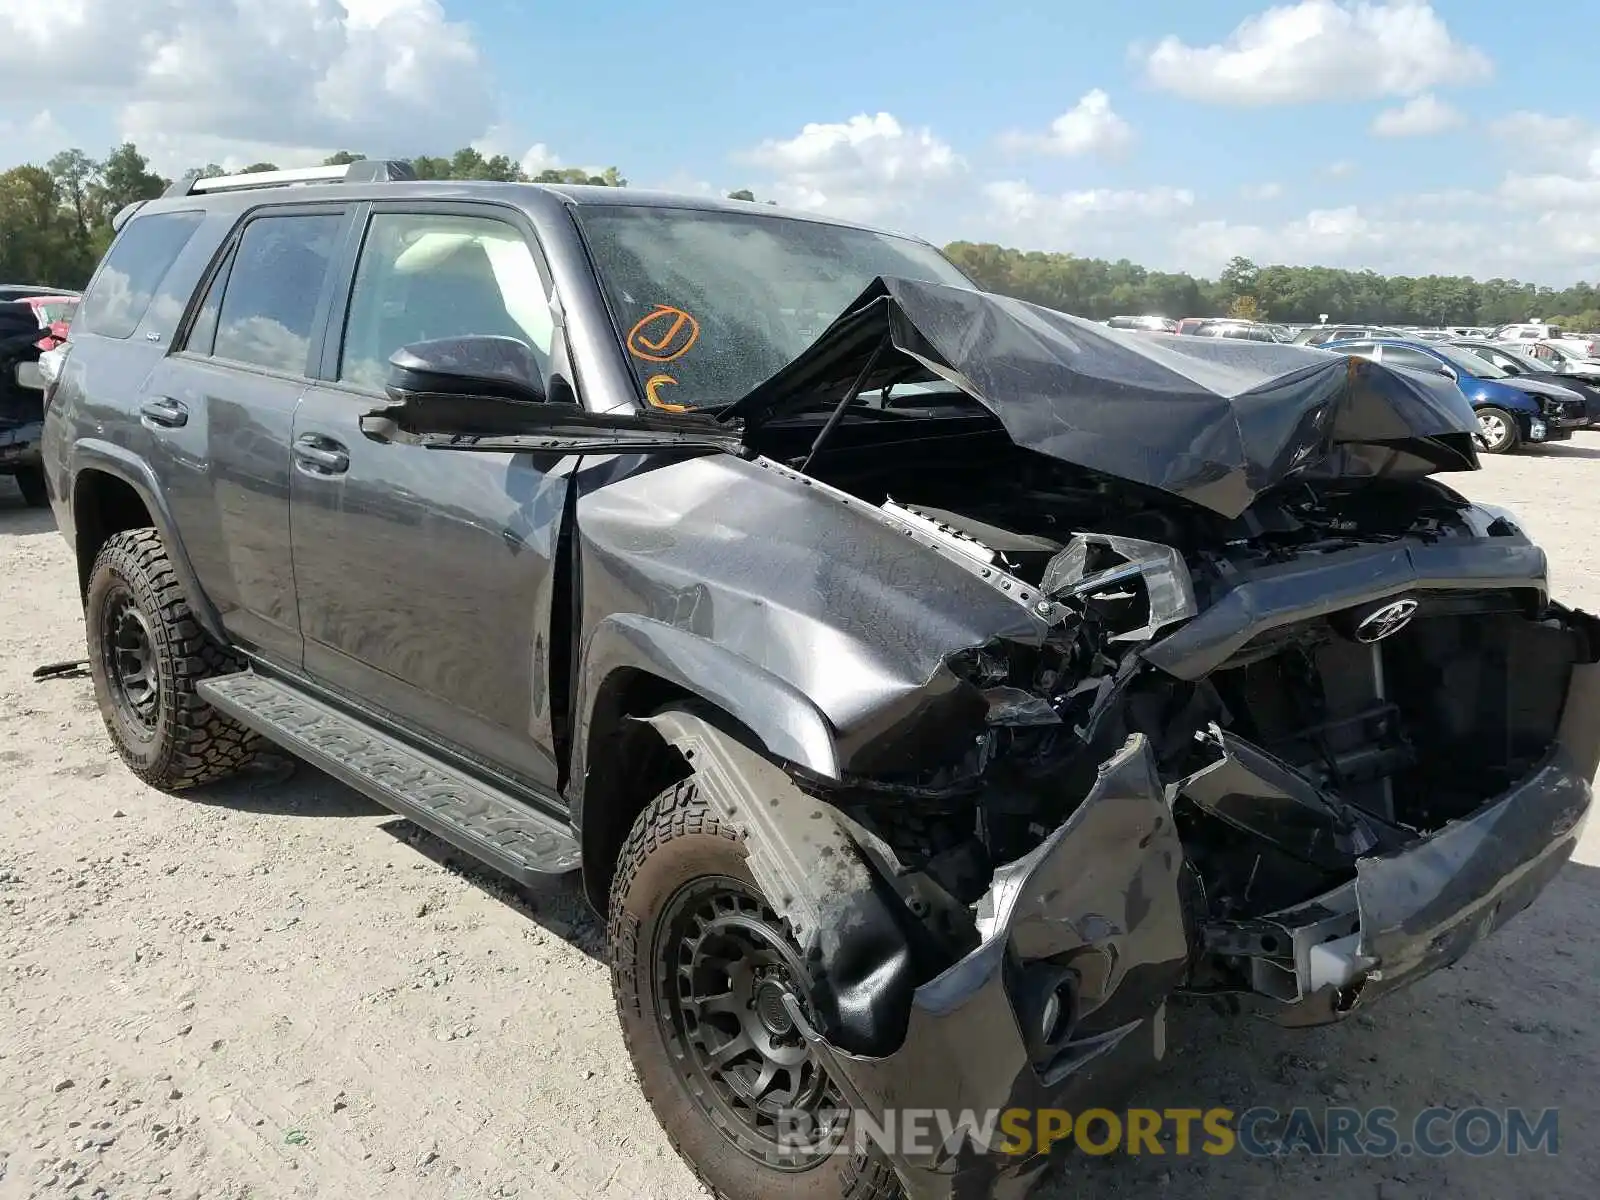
426 579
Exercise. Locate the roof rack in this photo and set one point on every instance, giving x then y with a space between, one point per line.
366 170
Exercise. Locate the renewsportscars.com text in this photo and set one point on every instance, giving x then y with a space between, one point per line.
1257 1132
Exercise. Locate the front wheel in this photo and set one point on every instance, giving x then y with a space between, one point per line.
1497 431
701 965
146 654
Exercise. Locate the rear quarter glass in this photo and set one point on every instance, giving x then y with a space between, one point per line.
131 276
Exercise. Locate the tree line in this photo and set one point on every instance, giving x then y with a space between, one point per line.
55 222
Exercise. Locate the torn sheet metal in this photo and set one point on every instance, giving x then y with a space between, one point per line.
1214 420
1096 910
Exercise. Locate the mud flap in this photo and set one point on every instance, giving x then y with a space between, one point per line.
1093 915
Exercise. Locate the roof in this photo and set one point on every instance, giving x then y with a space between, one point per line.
527 195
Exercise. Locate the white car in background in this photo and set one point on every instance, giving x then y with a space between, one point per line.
1561 356
1537 331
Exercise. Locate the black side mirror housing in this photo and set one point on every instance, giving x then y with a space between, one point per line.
474 367
1449 372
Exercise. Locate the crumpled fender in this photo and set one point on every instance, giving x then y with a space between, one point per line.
864 951
1100 899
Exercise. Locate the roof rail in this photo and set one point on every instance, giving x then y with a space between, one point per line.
365 170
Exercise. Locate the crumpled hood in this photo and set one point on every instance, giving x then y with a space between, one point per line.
1213 420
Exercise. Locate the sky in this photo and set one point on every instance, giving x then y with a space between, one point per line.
1400 136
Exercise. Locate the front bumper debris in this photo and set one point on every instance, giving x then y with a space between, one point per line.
1092 918
1418 910
1096 918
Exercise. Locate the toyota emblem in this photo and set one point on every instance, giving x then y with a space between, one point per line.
1386 621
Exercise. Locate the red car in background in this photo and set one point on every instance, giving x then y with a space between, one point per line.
55 315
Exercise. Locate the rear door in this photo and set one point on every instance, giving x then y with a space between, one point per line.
426 579
224 405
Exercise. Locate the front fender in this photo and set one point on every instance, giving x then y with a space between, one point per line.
96 454
788 724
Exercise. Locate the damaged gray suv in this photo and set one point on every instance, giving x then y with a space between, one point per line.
929 687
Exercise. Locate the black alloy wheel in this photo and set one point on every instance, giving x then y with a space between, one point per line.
724 971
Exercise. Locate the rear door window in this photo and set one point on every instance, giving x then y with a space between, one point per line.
268 310
132 274
1416 360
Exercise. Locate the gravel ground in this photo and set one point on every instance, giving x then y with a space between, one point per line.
277 990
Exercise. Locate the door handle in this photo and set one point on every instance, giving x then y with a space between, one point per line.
321 455
164 411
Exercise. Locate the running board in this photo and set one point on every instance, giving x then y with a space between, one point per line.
473 816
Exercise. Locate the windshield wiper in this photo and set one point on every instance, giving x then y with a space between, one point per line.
845 402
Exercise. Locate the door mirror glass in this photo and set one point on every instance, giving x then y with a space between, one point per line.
29 376
476 366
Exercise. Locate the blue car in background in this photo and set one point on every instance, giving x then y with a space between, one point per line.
1512 410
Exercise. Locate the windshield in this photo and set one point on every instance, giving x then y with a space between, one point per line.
709 304
1496 354
1469 362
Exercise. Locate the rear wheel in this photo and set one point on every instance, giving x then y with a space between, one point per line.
146 654
30 482
1497 431
701 966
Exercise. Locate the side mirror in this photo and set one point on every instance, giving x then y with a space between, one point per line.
475 367
29 376
1449 372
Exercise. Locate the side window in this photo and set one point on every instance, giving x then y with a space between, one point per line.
203 333
425 276
270 299
133 271
1416 360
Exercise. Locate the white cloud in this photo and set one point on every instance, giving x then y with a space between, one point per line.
863 168
1341 169
1261 191
1090 127
1015 202
1557 142
234 80
1421 116
1320 50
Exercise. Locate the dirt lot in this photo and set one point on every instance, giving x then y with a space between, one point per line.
277 990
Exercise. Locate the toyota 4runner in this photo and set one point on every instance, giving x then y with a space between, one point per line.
928 686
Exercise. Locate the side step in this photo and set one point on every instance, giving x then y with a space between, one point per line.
473 816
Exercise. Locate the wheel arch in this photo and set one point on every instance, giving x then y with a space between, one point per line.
113 490
632 668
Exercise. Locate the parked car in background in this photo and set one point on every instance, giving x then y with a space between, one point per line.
54 314
1532 331
1319 335
1558 356
1512 410
1148 324
23 291
1232 327
1518 362
21 398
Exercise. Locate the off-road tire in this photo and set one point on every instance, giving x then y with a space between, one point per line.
1513 432
189 743
30 482
676 839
